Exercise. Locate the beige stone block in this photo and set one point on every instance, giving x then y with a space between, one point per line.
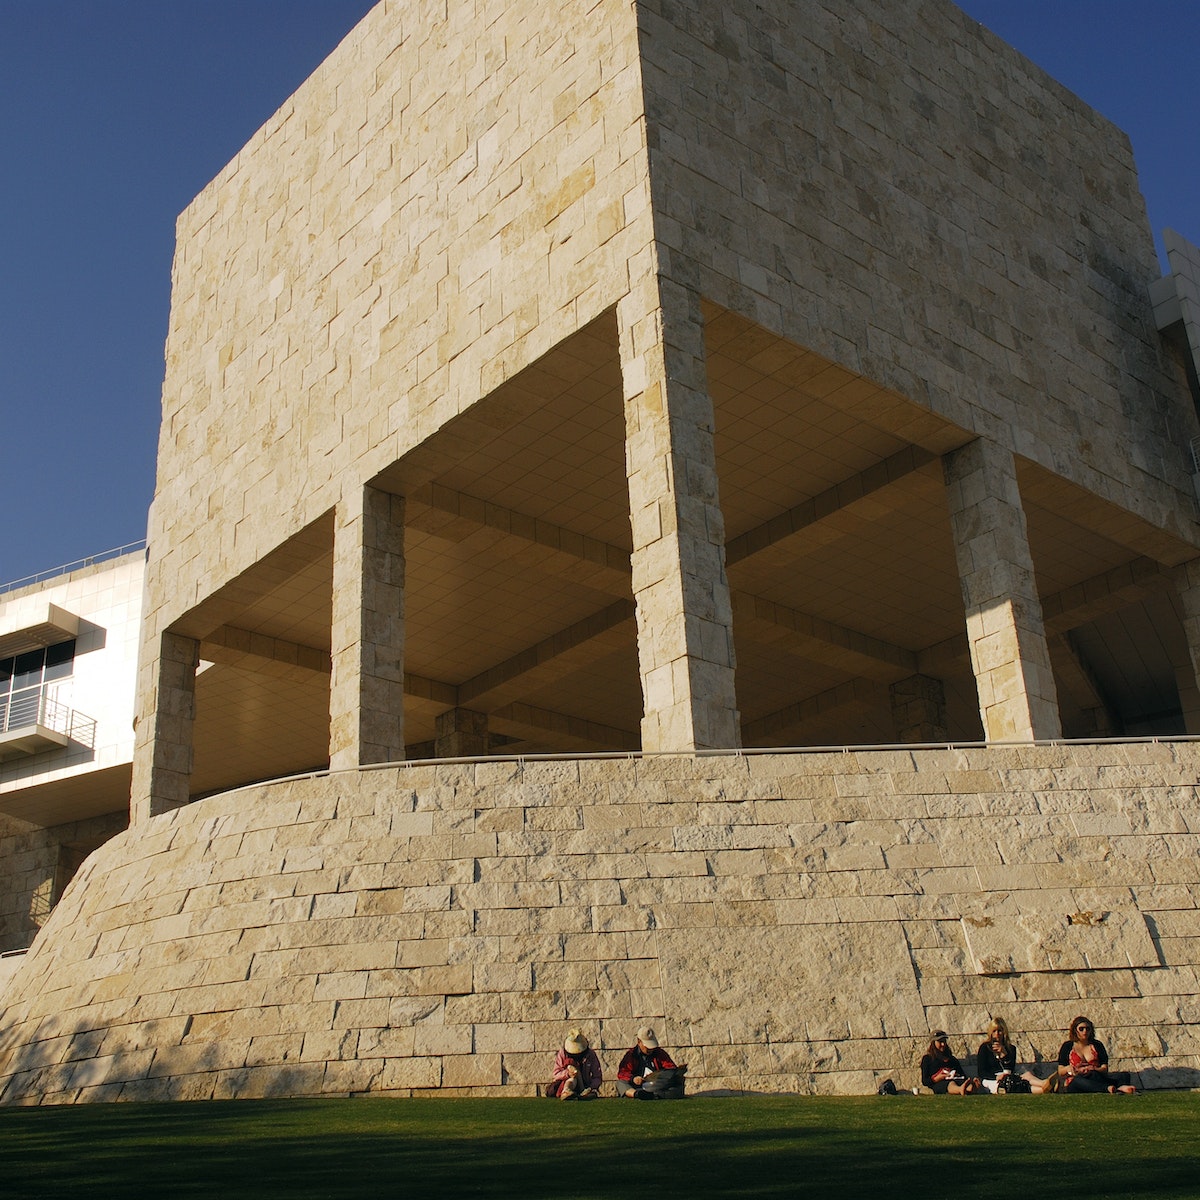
430 1039
446 924
378 1042
499 1038
432 952
503 977
919 854
470 1010
326 1045
744 913
434 981
272 1049
1004 941
471 1070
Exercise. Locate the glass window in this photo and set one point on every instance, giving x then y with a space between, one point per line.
37 667
28 668
59 660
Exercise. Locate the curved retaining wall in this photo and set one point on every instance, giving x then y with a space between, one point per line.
789 922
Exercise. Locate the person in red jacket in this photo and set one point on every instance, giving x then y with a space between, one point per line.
647 1072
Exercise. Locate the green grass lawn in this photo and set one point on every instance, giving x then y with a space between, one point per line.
756 1146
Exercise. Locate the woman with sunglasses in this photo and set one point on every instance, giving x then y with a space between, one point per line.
942 1073
1083 1063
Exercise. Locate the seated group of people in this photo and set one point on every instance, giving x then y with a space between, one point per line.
646 1072
1082 1065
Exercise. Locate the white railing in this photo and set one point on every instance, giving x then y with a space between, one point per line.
67 568
34 706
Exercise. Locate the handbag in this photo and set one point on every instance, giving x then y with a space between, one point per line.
1014 1085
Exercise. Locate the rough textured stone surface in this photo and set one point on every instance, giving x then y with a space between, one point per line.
404 929
880 194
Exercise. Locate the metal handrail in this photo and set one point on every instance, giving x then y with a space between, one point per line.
1150 739
34 706
67 568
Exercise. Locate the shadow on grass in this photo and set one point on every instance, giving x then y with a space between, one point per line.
755 1147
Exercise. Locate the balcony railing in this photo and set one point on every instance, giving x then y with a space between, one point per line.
67 568
26 716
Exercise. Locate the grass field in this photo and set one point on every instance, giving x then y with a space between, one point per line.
755 1146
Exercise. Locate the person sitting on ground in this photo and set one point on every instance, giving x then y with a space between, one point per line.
647 1072
996 1063
577 1073
1083 1063
942 1073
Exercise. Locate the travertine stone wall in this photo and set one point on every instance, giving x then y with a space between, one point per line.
894 187
454 191
461 186
791 922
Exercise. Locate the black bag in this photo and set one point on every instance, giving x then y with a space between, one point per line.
1014 1085
887 1088
666 1084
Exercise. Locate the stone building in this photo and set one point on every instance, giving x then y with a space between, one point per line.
674 390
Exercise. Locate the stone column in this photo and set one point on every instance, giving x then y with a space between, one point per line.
1187 587
1017 697
461 733
366 694
162 760
684 617
1189 698
919 709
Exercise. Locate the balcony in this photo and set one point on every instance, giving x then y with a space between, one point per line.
32 721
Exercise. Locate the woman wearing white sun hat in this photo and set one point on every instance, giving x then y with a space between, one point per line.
577 1073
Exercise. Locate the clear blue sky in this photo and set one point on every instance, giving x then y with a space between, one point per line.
115 113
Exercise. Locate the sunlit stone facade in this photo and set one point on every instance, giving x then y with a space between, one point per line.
680 382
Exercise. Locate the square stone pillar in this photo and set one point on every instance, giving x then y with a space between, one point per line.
461 733
1189 698
162 758
1017 696
684 616
919 709
1187 587
366 693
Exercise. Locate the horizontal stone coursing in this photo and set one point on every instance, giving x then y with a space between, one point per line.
440 927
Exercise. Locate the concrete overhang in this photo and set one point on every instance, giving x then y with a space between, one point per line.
35 628
88 793
30 739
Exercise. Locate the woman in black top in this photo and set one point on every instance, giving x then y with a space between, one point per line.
1083 1063
942 1073
998 1057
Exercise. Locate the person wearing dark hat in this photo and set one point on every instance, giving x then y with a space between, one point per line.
577 1073
942 1073
647 1072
